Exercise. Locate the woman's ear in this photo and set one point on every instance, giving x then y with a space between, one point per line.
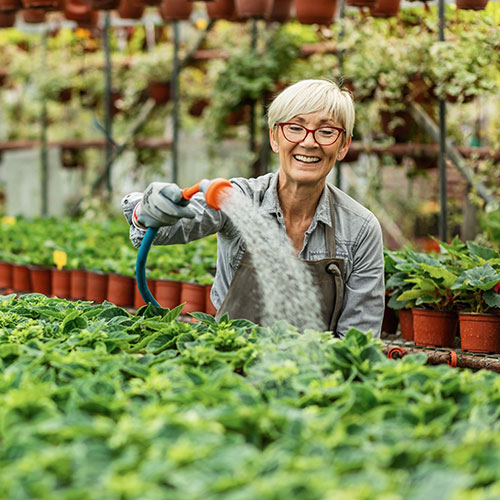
343 151
273 142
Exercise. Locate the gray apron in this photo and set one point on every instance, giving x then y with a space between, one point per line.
243 299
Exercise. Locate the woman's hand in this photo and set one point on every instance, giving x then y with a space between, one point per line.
162 204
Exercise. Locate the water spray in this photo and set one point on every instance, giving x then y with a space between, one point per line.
214 191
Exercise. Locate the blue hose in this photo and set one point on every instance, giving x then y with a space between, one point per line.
140 267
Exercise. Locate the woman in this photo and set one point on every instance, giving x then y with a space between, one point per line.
310 128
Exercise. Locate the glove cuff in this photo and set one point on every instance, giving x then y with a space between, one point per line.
135 220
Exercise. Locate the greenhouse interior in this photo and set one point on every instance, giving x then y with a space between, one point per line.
250 250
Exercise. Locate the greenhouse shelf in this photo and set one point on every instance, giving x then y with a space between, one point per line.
398 349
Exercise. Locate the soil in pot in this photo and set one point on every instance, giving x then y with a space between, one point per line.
194 297
480 332
41 279
434 328
120 290
168 293
406 323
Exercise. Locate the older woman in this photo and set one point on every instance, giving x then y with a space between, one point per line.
310 127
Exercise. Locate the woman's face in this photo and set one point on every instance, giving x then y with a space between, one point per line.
307 162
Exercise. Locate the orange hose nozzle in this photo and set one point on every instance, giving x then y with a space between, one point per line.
189 192
213 191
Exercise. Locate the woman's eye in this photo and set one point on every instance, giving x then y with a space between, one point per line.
295 128
326 132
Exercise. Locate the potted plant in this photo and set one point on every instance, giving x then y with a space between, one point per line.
317 12
155 68
478 301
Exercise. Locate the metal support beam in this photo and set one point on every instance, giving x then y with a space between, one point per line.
175 99
338 181
253 45
44 162
443 195
108 120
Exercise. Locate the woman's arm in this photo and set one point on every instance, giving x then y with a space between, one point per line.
364 289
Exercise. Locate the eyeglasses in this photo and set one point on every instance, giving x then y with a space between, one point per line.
324 136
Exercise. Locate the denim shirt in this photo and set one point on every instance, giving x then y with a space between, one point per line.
358 239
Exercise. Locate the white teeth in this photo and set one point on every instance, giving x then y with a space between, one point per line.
307 159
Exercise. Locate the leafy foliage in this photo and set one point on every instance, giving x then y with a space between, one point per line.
97 403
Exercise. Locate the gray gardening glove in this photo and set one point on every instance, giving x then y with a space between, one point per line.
162 205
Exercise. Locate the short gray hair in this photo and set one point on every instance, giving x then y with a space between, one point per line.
309 96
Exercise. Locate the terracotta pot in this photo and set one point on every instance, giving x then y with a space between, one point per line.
129 10
146 3
406 323
21 280
120 290
39 4
5 275
209 307
41 279
168 293
480 332
175 10
315 12
198 106
77 284
138 300
220 9
194 297
434 328
390 321
33 16
385 8
7 20
96 286
471 4
250 8
159 91
77 10
10 5
278 10
61 283
401 129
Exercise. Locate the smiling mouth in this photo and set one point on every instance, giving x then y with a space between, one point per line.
307 159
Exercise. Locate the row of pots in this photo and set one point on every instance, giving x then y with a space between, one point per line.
121 290
479 333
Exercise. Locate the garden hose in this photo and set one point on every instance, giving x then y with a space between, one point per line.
212 190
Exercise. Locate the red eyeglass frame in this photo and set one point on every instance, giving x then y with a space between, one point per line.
312 131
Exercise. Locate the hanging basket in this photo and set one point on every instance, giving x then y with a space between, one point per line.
129 10
7 20
33 16
221 9
175 10
104 4
385 8
278 10
315 12
471 4
10 5
250 8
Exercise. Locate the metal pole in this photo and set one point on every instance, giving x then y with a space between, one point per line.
443 217
338 180
251 144
108 121
44 175
175 98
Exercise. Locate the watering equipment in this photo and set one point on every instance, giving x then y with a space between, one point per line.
212 189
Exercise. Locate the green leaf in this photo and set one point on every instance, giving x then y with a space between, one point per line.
492 298
483 253
204 318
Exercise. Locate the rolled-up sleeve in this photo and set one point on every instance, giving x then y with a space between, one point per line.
364 290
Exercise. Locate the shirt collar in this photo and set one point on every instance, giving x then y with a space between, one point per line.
270 202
